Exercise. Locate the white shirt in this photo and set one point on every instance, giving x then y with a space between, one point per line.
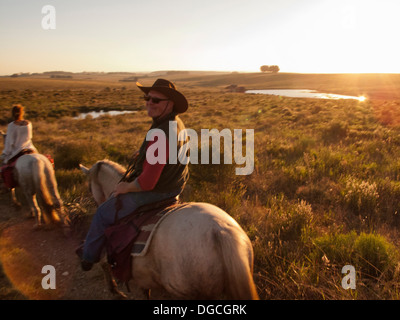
19 137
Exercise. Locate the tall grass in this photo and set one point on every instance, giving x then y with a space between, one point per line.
325 190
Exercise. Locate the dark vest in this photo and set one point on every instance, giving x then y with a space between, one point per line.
173 176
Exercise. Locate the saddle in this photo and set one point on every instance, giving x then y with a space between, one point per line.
7 171
121 236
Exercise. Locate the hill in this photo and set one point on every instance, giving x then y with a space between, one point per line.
373 86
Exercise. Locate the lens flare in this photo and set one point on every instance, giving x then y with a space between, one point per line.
362 98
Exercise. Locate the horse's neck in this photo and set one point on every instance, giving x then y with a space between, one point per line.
108 178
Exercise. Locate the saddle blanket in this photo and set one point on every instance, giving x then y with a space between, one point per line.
131 236
151 221
7 173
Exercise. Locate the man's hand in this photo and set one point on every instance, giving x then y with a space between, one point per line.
126 187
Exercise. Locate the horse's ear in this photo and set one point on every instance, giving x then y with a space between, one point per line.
84 169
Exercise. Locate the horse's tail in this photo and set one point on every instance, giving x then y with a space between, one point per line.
237 256
46 185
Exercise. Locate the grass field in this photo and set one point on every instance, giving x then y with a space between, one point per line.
325 191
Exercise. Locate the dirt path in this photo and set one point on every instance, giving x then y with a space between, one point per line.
25 251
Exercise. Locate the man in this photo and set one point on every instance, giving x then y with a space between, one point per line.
144 181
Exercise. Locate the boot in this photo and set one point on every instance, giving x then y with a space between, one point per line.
85 265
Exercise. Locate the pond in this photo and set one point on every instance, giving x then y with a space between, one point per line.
304 93
96 114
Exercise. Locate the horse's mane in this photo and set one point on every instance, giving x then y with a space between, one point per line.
110 164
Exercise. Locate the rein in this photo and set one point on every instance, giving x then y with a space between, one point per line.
131 168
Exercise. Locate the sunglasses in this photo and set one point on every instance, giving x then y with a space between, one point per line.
154 99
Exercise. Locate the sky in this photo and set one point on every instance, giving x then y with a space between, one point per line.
306 36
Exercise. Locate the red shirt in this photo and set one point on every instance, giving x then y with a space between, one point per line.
152 172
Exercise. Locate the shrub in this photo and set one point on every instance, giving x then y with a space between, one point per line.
323 191
78 215
71 184
284 180
278 231
335 132
117 154
323 162
369 253
361 197
338 248
70 155
375 254
288 221
389 200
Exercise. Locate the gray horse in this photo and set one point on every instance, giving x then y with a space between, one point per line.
197 252
35 175
36 178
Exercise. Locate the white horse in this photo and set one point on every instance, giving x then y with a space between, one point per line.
35 175
197 252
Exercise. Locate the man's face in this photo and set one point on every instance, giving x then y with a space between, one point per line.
158 105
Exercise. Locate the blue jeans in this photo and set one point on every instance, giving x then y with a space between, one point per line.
105 217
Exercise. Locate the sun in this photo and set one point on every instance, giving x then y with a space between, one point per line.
362 99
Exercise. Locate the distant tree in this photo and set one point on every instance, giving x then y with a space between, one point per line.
273 69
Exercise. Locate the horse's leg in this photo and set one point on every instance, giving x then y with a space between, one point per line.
14 199
35 210
112 285
147 293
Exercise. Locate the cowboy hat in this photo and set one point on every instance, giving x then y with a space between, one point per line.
167 88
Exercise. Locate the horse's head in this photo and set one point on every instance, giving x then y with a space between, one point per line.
103 177
95 188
